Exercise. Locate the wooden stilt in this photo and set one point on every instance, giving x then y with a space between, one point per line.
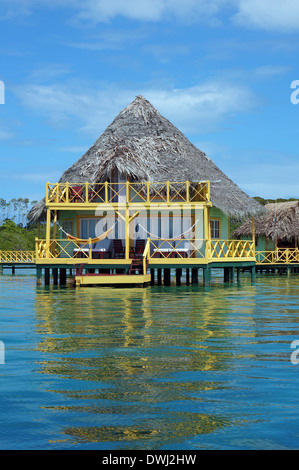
47 276
187 276
38 276
62 277
178 274
55 276
194 274
253 274
167 277
207 276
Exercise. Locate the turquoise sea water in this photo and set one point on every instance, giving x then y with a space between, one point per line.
162 368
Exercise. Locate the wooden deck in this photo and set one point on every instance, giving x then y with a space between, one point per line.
91 279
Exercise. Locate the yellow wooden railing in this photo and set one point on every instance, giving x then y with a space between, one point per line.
278 256
167 249
17 256
62 249
109 193
219 249
179 249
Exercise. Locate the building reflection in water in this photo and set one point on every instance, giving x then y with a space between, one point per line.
150 360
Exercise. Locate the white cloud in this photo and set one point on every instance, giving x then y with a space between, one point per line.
76 149
5 135
105 10
269 71
149 10
263 14
268 14
90 109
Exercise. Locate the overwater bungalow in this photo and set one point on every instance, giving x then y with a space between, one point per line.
142 200
276 234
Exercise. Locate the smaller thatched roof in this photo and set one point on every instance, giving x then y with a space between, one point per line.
281 222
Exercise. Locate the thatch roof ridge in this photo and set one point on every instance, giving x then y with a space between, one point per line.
145 146
281 222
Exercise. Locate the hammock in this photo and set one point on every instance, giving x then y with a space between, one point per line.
90 240
178 237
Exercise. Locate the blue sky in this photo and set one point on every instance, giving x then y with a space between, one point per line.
220 70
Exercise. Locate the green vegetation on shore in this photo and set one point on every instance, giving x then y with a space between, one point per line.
14 237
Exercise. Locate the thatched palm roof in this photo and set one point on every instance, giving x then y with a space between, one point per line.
281 222
143 145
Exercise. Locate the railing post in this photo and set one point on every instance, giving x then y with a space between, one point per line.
106 192
167 191
86 192
208 190
148 191
187 191
128 191
90 249
208 250
67 192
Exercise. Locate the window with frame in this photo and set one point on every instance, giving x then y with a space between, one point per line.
88 228
215 228
67 228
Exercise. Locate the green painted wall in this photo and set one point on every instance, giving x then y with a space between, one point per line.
261 245
224 225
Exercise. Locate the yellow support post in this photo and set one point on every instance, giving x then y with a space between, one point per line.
253 235
127 233
48 233
167 192
207 232
55 225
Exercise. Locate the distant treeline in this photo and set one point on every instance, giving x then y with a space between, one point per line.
263 201
16 210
